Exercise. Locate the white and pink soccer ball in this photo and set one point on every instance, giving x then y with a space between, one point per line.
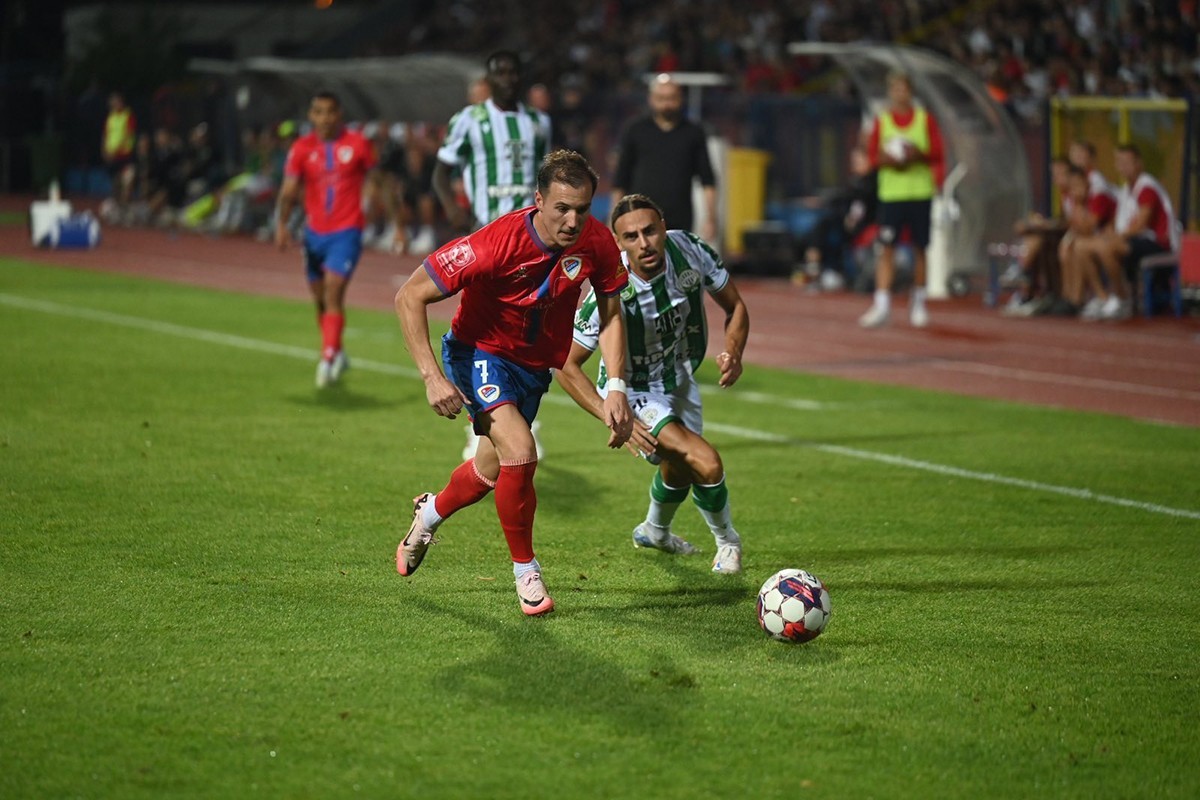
899 148
793 606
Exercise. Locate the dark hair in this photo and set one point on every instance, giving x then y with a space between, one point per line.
631 202
569 167
1131 148
503 55
1086 145
325 94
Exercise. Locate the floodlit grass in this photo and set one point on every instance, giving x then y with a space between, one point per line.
199 597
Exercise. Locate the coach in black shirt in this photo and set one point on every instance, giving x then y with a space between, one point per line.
661 153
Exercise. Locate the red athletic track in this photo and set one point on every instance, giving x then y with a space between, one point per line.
1147 369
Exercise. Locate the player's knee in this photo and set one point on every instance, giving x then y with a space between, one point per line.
706 465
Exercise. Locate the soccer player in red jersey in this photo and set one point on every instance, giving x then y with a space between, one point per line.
332 162
520 278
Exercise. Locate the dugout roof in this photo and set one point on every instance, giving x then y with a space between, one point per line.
414 88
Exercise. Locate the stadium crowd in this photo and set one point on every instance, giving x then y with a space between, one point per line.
1025 50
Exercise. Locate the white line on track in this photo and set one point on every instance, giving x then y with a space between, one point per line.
306 354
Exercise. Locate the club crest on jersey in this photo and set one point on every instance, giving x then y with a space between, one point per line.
345 153
571 266
689 279
488 392
459 256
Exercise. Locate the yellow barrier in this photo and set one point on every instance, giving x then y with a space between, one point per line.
745 193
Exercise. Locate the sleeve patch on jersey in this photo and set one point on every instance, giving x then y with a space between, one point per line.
457 257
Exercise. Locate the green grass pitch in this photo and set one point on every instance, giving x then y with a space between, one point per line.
199 598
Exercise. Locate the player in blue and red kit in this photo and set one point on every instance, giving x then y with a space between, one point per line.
520 279
332 162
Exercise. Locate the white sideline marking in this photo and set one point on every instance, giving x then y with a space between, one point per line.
306 354
942 469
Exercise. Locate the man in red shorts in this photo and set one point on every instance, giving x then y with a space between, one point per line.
332 162
520 278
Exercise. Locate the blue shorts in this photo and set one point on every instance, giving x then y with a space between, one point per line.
490 381
337 252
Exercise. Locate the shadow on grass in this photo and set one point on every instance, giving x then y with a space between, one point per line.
532 668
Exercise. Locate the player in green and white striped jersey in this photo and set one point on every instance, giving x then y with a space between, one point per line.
667 335
498 145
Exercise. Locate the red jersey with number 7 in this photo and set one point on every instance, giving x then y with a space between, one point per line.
519 296
332 172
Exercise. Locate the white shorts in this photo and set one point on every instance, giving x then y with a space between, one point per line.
681 405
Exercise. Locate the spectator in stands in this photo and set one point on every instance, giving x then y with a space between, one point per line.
420 158
1145 224
661 153
168 178
1041 268
906 146
386 187
846 214
1091 222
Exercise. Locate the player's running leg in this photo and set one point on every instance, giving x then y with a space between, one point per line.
467 486
516 501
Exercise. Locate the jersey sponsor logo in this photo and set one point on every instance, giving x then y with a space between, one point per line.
571 265
457 257
689 279
488 392
501 192
345 153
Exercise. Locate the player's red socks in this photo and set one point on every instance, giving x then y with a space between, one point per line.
516 502
465 488
332 325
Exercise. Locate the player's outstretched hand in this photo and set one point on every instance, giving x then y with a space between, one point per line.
641 440
731 369
618 418
444 397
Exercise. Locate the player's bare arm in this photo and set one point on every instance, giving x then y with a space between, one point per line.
456 215
283 209
583 391
412 307
709 233
737 330
617 415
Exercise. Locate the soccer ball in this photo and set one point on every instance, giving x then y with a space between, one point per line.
899 148
793 606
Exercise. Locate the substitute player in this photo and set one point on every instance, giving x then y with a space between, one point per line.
520 278
332 162
667 334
